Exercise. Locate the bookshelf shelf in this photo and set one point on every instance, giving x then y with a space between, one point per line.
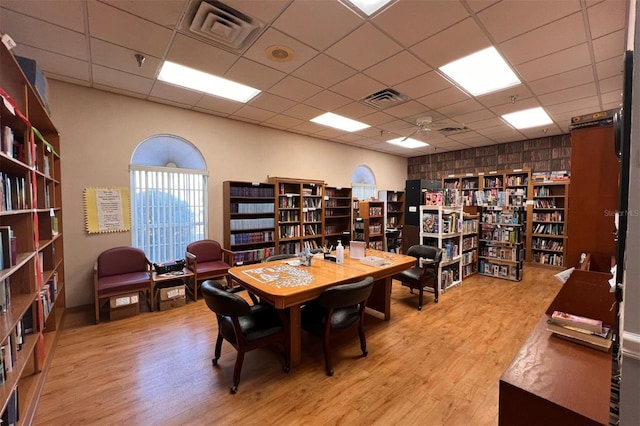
372 215
442 227
249 224
501 250
470 226
548 242
31 233
393 218
299 213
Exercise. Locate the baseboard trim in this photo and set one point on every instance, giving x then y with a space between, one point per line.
631 345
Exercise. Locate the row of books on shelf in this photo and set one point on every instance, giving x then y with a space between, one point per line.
312 215
375 229
13 344
501 253
289 216
505 234
470 242
544 204
549 229
11 414
375 211
556 216
313 191
48 294
312 203
558 175
503 217
312 229
258 223
249 208
469 269
334 229
431 223
289 231
469 226
517 180
252 237
582 330
288 202
252 255
548 259
450 251
513 272
545 244
8 247
14 192
310 244
469 257
443 197
333 203
13 146
376 245
251 191
449 276
290 247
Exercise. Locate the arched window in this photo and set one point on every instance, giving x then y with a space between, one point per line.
169 197
363 183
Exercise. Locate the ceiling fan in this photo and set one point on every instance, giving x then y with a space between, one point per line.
426 125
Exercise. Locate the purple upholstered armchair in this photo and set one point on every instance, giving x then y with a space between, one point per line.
207 259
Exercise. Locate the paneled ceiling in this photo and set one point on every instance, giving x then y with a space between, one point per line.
567 53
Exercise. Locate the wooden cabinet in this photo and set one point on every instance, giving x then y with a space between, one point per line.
299 214
593 196
442 227
32 278
501 249
372 215
249 220
393 217
337 215
548 242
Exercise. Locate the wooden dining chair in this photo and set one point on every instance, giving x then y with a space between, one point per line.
244 326
338 308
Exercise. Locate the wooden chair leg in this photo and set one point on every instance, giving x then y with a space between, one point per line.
327 356
236 372
97 303
218 349
436 292
363 340
420 294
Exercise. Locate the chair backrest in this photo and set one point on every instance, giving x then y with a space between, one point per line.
205 250
223 302
343 295
121 260
426 252
279 257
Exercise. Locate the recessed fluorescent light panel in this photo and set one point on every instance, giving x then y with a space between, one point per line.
369 7
408 143
201 81
528 118
339 122
481 72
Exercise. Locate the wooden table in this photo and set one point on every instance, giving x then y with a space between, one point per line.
185 275
292 286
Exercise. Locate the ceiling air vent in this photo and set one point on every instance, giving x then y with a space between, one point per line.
450 130
221 25
385 99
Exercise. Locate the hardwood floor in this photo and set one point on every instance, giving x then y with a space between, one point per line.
440 366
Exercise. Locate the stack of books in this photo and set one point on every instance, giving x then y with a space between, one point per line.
585 331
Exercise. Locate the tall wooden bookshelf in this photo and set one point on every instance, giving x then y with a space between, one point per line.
548 242
393 214
372 215
32 207
442 227
470 227
299 209
501 249
337 215
249 220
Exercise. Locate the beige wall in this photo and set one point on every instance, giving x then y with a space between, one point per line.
99 132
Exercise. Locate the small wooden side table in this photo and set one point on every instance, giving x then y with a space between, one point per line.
185 276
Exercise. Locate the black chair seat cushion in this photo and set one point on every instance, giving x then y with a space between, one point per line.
314 316
411 277
263 322
131 282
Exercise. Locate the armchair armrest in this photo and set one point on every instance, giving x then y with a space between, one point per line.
227 256
191 262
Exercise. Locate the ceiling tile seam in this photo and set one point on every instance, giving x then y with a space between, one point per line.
592 55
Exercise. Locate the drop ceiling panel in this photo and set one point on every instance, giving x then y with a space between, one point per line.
358 86
566 60
283 121
460 40
254 74
324 71
252 113
177 94
398 68
563 80
265 11
126 30
116 79
508 19
109 55
319 24
544 41
192 53
303 112
504 96
327 101
572 93
609 46
409 22
65 13
219 105
354 110
74 69
51 38
464 107
611 17
444 97
162 12
610 67
272 102
364 47
424 84
295 89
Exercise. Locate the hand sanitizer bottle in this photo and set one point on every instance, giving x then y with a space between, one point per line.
339 253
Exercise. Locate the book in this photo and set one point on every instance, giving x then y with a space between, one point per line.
566 319
5 243
600 341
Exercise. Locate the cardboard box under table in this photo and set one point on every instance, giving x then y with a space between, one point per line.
171 297
124 306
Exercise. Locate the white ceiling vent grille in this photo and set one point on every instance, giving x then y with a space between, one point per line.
221 25
385 99
453 129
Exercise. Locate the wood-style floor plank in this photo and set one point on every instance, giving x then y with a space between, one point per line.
440 366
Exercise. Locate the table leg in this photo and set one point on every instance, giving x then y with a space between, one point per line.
295 335
380 298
